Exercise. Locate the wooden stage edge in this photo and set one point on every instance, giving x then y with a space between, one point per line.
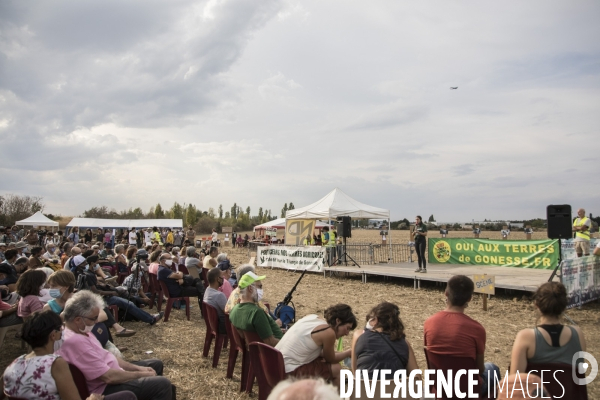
524 279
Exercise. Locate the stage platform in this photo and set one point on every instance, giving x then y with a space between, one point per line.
524 279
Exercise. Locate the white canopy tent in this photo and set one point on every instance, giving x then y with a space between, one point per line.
124 223
279 223
37 219
338 204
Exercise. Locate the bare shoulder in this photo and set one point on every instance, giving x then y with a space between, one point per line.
527 334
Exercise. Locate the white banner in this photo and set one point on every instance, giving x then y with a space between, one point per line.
291 257
568 248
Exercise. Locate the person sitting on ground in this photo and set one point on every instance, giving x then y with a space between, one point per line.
210 261
66 248
22 249
214 297
248 316
8 312
28 287
104 373
120 260
235 297
383 332
226 288
2 250
178 284
111 296
308 347
50 258
32 238
35 261
548 342
451 332
75 251
42 374
7 267
304 389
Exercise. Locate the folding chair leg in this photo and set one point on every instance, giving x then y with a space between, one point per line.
245 368
207 343
187 308
250 379
168 309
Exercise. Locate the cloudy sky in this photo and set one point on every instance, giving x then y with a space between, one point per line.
127 104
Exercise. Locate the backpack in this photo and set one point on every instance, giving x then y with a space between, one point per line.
285 313
82 283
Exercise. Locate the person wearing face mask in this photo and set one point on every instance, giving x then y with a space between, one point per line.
214 297
42 368
104 373
308 346
178 284
248 316
28 287
50 258
382 344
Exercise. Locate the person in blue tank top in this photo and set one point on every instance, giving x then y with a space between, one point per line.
549 341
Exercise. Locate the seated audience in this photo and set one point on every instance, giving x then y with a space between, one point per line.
214 297
304 389
8 312
106 374
451 332
28 287
178 284
7 267
308 347
248 316
2 250
154 264
226 288
42 374
35 259
192 259
549 341
134 282
210 261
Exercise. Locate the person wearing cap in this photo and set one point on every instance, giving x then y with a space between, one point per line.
2 250
248 316
21 248
178 284
225 266
214 297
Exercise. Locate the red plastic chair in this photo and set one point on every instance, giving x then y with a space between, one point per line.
80 381
237 344
115 312
155 291
250 337
204 277
268 366
451 364
212 317
170 301
183 268
560 373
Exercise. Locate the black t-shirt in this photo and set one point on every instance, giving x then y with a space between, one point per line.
374 351
172 284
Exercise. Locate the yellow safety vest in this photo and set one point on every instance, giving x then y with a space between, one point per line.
325 242
580 222
332 237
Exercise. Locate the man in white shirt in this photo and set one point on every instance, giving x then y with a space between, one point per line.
215 237
132 237
148 236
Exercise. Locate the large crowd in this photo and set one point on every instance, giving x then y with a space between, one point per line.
65 293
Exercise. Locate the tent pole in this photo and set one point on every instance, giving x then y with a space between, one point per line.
390 238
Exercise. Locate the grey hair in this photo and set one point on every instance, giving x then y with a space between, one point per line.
50 245
119 248
319 390
243 270
190 251
82 303
222 257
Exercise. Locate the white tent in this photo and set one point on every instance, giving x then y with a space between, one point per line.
279 223
37 219
338 204
124 223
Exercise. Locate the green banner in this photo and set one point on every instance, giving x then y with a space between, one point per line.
542 254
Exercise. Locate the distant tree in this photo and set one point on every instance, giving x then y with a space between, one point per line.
137 213
150 214
234 211
177 211
431 219
16 207
248 211
291 206
220 211
211 213
191 215
260 214
227 215
457 226
284 210
158 212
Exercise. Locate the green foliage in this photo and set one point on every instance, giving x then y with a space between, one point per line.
403 224
220 211
431 219
158 212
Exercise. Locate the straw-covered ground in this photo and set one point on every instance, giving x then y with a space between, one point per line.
179 342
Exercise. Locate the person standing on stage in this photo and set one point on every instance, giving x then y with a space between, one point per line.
581 226
420 243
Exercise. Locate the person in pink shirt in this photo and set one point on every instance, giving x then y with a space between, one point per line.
153 267
28 287
226 287
105 374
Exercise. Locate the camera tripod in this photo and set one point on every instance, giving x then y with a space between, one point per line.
345 256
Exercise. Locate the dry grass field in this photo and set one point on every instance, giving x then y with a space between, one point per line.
179 342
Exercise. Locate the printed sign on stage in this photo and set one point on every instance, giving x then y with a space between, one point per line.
296 230
291 257
568 247
541 254
581 277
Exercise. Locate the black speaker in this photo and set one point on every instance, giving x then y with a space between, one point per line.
560 223
344 227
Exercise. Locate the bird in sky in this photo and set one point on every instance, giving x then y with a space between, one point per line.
453 87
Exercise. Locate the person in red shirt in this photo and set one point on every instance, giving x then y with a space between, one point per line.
451 332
